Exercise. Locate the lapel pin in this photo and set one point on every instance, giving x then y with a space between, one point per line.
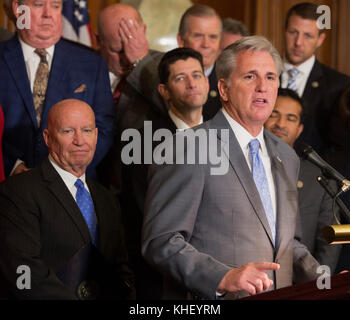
213 93
279 159
300 184
315 84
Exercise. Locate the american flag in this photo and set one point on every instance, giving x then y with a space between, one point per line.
76 21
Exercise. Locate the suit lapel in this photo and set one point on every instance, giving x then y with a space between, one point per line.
59 190
239 165
14 58
313 84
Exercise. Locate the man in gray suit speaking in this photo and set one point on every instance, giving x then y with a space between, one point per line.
232 234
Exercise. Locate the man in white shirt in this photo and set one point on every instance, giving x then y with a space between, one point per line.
318 85
38 69
64 227
234 233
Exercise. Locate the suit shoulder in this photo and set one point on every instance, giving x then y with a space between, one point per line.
78 49
282 147
333 74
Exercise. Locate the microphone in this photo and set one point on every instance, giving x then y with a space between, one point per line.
308 153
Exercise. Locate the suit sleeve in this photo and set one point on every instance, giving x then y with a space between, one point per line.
304 264
20 246
172 202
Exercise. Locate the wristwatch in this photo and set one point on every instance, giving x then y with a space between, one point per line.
134 65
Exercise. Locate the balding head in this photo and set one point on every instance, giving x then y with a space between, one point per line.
110 40
110 17
71 135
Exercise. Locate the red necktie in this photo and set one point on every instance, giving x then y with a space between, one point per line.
118 91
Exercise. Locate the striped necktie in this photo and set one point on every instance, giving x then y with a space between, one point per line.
293 74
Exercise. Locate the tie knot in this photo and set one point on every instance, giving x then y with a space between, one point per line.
79 184
254 146
293 72
42 54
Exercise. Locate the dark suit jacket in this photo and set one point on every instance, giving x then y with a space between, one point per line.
213 104
73 66
134 178
321 97
2 122
315 207
42 227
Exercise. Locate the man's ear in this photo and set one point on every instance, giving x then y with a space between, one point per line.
321 38
46 136
180 42
163 91
223 88
300 130
15 6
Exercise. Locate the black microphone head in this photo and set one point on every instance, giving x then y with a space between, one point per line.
303 150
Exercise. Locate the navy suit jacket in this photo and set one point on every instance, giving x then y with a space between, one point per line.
74 66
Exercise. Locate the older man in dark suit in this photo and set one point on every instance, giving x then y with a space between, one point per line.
38 69
64 228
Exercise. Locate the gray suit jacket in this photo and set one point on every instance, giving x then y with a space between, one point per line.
198 226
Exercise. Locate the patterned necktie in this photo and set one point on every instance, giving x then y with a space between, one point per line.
40 83
86 207
261 183
293 74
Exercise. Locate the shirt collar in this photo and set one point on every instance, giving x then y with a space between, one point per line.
68 178
304 68
179 123
243 136
208 71
28 51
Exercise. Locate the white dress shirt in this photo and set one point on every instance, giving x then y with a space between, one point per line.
114 80
32 60
180 124
301 79
69 179
244 137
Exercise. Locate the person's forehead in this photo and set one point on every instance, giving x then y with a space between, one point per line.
250 60
185 65
296 21
194 22
287 105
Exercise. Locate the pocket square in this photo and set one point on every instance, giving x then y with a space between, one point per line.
82 88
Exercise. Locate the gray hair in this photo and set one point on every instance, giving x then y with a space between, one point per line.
197 10
226 62
234 26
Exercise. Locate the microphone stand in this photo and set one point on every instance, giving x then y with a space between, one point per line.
340 233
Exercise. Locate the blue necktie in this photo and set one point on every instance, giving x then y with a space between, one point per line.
261 183
86 207
293 73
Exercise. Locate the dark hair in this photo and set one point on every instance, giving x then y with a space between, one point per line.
284 92
234 26
174 55
197 10
305 10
